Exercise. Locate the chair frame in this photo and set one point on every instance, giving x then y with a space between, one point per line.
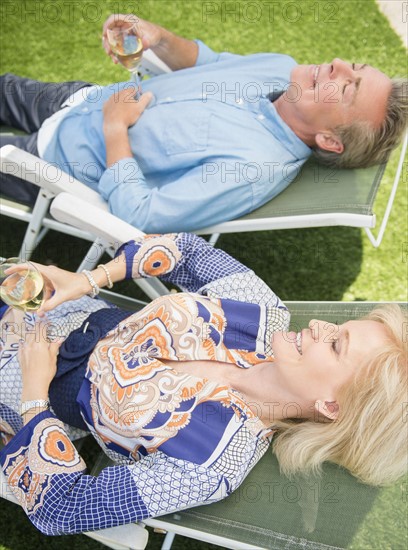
53 181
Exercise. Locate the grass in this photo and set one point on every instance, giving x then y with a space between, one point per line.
60 40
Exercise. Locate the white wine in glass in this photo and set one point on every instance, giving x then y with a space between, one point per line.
23 289
127 46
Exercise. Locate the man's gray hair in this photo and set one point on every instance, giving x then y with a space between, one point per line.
365 145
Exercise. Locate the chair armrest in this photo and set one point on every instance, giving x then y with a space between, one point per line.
113 231
125 537
152 65
76 211
16 162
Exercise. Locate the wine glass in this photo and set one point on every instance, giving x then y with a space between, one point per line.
22 289
126 44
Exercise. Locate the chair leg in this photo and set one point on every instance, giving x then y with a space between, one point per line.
41 235
376 241
33 235
93 255
214 238
168 540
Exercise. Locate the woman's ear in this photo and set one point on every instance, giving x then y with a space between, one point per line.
329 409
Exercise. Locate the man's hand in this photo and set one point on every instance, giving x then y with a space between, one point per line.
175 51
150 33
123 110
119 112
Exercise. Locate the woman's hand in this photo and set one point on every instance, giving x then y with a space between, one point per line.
150 34
59 285
38 362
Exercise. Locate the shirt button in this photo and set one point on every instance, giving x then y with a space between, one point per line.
85 109
240 101
260 117
169 99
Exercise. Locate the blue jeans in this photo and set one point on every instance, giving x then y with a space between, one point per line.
24 105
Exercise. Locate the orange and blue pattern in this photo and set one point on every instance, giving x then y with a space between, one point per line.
179 439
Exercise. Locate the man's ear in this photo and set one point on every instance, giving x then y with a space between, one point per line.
329 142
329 409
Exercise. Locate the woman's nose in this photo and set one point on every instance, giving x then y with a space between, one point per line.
322 331
315 329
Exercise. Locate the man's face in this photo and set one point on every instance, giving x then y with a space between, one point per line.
325 96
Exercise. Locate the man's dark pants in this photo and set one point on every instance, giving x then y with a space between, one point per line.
24 105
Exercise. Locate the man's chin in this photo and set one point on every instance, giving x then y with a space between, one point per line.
300 78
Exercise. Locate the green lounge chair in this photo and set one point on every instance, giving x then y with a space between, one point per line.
269 511
318 197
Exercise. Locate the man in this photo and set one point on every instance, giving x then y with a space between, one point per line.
216 138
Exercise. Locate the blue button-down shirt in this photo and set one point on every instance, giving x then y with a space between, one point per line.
211 146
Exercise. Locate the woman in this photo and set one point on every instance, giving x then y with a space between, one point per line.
186 394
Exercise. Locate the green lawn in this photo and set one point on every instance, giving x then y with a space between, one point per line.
61 40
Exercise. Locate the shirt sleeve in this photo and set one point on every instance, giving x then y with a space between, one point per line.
183 259
47 476
194 265
198 198
207 55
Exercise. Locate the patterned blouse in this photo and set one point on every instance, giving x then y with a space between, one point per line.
178 440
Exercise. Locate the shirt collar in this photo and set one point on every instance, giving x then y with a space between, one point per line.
283 133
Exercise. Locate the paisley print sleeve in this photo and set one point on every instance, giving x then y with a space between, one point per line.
183 259
47 476
194 265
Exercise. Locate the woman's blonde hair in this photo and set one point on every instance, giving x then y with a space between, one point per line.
369 438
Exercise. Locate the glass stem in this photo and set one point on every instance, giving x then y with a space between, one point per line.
137 81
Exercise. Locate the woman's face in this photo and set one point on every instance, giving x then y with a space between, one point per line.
313 364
